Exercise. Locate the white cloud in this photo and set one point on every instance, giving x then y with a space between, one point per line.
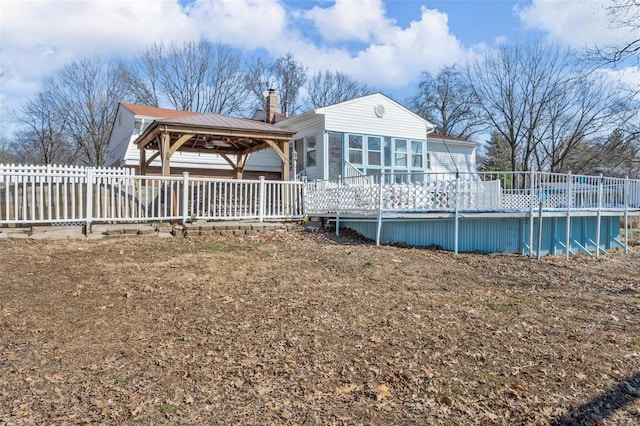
40 36
348 20
396 59
92 26
577 24
248 24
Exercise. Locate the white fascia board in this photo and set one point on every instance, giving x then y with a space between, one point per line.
452 142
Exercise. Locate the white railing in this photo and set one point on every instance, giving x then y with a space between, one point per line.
61 169
40 195
472 192
354 175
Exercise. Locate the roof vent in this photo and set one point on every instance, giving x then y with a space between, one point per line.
379 110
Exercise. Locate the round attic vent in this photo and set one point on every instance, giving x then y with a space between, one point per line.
379 110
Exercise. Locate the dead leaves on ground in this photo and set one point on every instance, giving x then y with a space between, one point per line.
299 328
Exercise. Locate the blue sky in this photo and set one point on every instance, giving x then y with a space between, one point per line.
384 43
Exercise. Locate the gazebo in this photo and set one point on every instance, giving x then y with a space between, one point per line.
234 139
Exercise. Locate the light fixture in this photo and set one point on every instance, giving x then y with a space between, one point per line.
210 143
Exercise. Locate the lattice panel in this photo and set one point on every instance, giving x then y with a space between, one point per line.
517 200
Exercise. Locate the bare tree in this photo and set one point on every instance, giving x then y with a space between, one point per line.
614 155
6 155
446 100
88 92
543 102
130 77
290 78
258 79
624 14
329 87
589 107
42 139
191 76
284 75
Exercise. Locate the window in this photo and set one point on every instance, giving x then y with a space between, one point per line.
298 145
355 149
311 150
416 154
401 153
387 152
335 155
374 154
138 126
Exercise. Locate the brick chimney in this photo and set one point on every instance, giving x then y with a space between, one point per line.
272 106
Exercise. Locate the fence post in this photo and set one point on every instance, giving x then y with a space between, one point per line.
185 197
379 227
457 216
88 200
261 200
626 215
599 216
532 201
568 219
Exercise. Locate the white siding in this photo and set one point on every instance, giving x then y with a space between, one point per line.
266 160
313 126
358 116
120 138
460 156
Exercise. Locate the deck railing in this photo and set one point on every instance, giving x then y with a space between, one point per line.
30 195
472 192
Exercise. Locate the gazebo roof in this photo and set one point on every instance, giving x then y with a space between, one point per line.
233 138
214 133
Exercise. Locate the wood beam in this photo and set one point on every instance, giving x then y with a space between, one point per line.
164 149
229 160
282 149
178 144
241 162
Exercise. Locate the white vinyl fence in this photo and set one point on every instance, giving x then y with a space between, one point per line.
60 194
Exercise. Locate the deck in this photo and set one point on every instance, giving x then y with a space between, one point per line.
530 213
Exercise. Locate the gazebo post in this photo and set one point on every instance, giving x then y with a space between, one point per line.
239 169
164 149
285 162
143 161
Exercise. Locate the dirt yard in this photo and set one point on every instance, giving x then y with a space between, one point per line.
303 328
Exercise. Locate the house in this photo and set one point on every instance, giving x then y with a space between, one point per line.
366 135
372 134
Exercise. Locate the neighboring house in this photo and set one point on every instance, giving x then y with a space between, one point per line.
373 134
368 135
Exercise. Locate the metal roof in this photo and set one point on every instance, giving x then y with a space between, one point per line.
217 121
155 112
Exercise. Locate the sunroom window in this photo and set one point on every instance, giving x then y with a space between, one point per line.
374 153
387 152
401 153
416 154
311 151
355 149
